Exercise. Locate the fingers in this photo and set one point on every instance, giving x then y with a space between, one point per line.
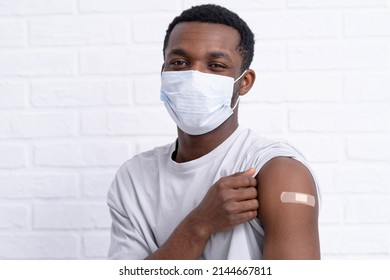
238 180
250 172
237 190
245 216
232 200
242 213
241 182
237 187
242 206
246 193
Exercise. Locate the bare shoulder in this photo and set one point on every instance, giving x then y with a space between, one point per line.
287 174
291 224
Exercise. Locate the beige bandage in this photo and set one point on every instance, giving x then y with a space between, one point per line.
296 197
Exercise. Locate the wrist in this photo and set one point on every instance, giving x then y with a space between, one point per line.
198 227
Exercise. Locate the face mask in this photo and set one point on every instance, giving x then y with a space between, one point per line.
198 102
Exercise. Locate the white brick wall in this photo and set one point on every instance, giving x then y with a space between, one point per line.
79 94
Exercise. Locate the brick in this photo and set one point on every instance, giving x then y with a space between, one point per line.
117 93
69 76
38 185
334 56
262 118
14 217
269 58
293 87
147 31
369 148
367 88
32 7
331 209
13 95
79 93
35 63
77 215
335 3
137 122
78 31
96 184
295 25
339 118
324 177
96 245
12 33
87 154
344 240
147 90
121 62
358 179
39 246
12 156
318 148
367 24
30 125
124 6
368 210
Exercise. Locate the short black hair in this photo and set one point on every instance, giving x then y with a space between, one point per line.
211 13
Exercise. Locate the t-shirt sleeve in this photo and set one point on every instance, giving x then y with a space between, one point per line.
126 240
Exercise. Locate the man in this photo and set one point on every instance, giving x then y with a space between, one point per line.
219 191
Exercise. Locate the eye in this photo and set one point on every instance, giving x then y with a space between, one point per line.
178 63
217 66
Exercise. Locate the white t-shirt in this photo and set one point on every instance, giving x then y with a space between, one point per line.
151 194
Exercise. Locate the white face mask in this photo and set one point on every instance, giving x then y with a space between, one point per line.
198 102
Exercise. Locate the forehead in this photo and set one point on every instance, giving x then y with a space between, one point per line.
204 37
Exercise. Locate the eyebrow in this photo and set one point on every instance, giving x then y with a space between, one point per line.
212 54
178 52
220 54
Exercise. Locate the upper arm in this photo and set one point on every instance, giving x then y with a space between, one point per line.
291 229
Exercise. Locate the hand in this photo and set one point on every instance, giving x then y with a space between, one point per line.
231 201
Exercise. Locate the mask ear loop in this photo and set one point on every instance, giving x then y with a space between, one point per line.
238 98
235 105
243 73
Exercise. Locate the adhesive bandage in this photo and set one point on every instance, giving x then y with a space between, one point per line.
296 197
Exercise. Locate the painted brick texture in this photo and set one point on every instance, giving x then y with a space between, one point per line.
79 95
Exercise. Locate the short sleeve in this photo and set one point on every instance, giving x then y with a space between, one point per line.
128 240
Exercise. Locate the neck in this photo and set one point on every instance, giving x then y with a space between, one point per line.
191 147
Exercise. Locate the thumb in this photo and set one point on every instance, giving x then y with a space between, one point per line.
250 172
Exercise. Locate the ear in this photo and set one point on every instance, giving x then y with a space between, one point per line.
162 68
247 81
